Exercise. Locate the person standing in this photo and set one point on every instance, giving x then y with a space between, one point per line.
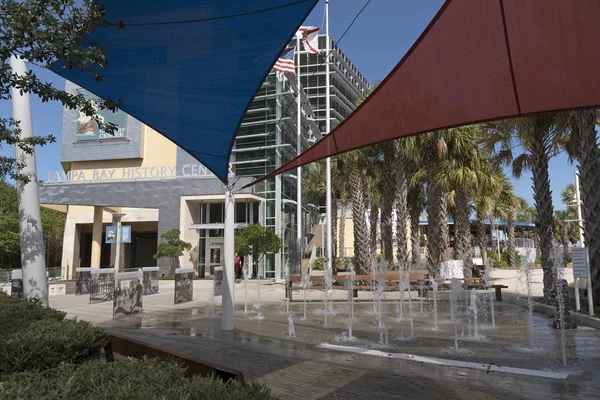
237 263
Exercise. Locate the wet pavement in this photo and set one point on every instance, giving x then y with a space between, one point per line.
295 367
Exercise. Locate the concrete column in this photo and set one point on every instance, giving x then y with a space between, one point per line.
33 260
228 285
97 238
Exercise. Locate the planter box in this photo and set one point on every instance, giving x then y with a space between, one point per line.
128 347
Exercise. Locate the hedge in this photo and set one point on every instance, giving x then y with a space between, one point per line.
135 379
35 338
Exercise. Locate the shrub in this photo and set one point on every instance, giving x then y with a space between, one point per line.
503 261
135 379
17 314
36 338
48 342
319 263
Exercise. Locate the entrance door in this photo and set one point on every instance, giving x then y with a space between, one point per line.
215 254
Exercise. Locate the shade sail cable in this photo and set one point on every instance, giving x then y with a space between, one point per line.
191 21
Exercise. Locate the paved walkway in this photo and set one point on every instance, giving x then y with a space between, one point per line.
295 368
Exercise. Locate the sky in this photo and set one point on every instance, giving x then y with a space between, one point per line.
376 42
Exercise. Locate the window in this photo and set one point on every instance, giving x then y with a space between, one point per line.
241 210
216 213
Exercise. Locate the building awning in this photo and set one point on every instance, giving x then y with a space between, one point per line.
479 61
189 68
217 226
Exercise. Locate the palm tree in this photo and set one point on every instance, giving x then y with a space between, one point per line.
354 162
538 139
402 208
583 147
505 206
517 204
415 198
430 149
464 170
567 229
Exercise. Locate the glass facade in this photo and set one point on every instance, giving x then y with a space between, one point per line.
267 137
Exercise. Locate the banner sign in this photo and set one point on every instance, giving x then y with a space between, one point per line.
88 128
102 284
111 234
150 280
83 280
16 283
128 293
580 257
184 285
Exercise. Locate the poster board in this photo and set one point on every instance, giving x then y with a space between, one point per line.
128 293
184 285
102 284
580 257
150 280
83 280
16 283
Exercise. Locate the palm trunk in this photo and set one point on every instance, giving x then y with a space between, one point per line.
437 228
589 172
462 231
415 216
373 218
481 239
388 196
401 213
545 211
510 236
334 217
361 236
565 243
342 230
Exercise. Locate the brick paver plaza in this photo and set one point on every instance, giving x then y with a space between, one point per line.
297 368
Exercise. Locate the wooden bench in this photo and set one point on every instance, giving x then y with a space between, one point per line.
499 291
391 280
473 283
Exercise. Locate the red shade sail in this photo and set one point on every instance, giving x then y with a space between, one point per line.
479 60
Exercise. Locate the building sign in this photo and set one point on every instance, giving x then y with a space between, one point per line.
111 234
132 174
88 128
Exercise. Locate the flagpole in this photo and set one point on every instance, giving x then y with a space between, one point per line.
298 151
330 261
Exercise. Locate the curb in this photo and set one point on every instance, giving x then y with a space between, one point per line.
581 319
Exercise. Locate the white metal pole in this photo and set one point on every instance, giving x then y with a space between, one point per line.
228 288
298 149
33 259
327 130
581 239
118 249
580 226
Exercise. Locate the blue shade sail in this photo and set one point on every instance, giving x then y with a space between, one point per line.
189 68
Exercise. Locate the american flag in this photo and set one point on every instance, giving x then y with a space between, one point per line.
285 63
